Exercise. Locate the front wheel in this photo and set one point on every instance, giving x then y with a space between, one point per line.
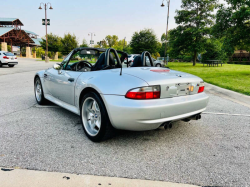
158 65
11 66
39 92
94 117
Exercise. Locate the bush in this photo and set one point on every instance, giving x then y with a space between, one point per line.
187 59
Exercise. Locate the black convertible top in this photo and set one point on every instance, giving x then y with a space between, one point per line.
96 49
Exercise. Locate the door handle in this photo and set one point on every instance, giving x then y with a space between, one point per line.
71 79
45 75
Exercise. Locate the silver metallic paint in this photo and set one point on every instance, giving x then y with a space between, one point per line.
126 113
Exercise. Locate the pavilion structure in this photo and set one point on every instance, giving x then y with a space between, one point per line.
11 33
240 56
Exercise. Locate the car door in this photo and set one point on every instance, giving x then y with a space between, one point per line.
61 83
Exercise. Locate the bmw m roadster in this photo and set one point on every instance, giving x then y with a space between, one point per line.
93 84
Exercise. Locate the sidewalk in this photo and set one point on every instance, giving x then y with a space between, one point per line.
30 178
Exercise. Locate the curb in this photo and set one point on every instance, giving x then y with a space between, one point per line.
30 178
228 94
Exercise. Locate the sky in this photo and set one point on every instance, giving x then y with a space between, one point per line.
102 17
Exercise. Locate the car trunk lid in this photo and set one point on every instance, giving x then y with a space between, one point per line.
173 83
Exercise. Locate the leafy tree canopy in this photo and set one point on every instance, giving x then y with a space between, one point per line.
194 20
84 43
54 43
145 40
232 24
111 40
69 42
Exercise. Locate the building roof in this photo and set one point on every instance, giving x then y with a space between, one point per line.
30 32
37 41
4 30
9 21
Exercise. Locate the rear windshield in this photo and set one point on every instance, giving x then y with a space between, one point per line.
129 56
9 54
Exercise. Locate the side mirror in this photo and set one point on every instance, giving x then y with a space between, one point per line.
57 67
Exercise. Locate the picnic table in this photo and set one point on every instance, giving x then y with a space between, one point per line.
213 62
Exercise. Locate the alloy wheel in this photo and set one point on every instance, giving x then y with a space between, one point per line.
38 91
91 116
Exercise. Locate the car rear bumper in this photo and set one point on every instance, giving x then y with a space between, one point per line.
8 63
140 115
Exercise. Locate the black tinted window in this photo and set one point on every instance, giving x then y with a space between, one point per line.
9 54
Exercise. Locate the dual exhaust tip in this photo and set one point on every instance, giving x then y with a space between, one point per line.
169 124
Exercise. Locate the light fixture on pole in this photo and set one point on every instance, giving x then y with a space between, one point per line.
162 5
91 41
46 23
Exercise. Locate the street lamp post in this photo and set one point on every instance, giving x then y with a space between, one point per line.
45 8
92 34
162 5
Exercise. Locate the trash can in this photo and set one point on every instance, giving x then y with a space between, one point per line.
43 57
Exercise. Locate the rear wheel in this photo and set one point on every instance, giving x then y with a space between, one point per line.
158 65
1 64
39 92
11 66
95 120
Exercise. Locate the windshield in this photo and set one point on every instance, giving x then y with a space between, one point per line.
9 54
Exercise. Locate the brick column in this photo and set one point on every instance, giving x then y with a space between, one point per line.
56 56
28 52
34 54
4 46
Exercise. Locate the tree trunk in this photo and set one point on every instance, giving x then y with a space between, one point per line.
195 57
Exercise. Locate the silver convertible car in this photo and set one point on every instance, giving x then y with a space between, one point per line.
92 83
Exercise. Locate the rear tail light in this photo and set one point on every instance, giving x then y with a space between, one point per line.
150 92
16 58
201 89
5 57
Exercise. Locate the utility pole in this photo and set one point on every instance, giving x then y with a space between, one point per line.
168 1
46 24
91 41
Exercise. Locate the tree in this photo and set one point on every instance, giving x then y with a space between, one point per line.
111 40
84 43
232 24
54 43
120 45
8 48
194 23
214 50
69 42
145 40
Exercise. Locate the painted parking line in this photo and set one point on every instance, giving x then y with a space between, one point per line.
227 114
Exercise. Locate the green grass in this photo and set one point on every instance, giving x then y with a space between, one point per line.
230 76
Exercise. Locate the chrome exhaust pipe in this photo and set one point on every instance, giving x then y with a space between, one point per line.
195 117
168 125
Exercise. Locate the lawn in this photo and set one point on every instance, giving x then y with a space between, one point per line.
230 76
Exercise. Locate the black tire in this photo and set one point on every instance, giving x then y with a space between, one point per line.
11 66
106 130
42 101
1 64
158 65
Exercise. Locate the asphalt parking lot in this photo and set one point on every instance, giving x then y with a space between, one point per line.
214 151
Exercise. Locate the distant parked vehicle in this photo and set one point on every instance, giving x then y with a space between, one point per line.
157 63
130 58
7 58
